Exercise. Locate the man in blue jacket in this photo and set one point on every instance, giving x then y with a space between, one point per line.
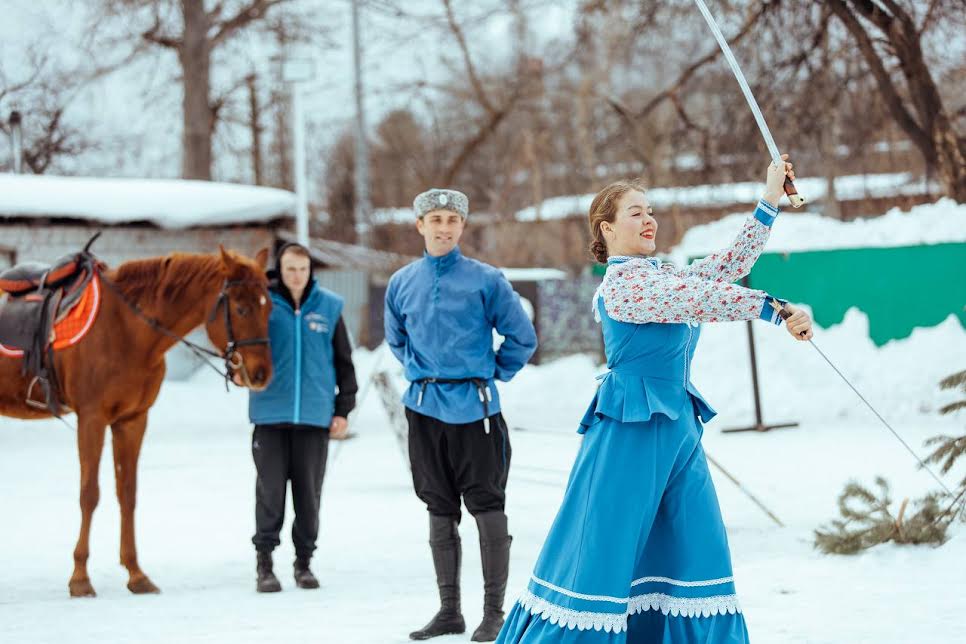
310 395
440 315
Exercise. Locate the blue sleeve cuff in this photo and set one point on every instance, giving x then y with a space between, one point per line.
765 212
768 312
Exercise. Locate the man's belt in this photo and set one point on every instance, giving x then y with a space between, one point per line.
482 388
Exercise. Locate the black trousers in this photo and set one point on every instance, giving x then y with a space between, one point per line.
284 453
450 461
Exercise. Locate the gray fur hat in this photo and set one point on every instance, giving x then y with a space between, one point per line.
441 199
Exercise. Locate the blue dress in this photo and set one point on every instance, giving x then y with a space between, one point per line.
638 551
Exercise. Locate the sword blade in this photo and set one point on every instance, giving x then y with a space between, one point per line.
739 75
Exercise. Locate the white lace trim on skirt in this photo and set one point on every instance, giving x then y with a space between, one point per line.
617 622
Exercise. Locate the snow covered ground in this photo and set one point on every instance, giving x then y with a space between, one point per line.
195 511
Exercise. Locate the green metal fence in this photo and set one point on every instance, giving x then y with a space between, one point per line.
897 288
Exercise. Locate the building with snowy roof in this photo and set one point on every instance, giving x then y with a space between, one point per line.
44 217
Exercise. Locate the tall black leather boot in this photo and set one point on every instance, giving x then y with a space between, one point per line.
495 555
444 540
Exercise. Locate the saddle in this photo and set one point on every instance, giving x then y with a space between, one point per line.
33 298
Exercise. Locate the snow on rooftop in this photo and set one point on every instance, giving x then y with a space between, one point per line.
935 223
814 188
533 274
167 203
392 216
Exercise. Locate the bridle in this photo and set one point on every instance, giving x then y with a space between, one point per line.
234 361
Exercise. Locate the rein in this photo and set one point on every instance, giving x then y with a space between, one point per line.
233 360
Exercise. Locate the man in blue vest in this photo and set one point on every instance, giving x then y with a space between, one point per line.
440 315
311 393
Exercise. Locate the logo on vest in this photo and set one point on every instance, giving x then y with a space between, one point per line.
317 322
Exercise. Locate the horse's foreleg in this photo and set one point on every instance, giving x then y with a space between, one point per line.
127 436
90 444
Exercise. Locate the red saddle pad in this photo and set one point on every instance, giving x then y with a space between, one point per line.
75 325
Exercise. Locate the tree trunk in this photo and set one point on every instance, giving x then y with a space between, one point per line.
195 58
951 158
254 111
948 154
922 116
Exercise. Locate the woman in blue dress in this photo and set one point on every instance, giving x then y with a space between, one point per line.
638 551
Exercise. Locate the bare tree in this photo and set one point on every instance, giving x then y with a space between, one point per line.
495 105
194 33
890 41
43 95
340 190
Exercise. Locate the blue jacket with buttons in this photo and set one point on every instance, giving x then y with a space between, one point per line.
440 315
303 386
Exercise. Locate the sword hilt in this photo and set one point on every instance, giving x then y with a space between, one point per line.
796 199
781 310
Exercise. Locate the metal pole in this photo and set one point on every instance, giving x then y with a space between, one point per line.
298 142
363 205
754 373
16 141
759 425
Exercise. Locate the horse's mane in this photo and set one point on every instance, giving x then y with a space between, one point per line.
161 278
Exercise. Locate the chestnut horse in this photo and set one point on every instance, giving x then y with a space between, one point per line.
112 376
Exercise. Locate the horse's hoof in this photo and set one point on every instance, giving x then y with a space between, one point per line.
81 588
142 586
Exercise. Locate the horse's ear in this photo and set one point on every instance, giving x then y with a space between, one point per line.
227 261
261 258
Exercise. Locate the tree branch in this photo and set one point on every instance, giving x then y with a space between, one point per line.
470 146
685 76
13 89
468 62
874 14
930 15
220 102
624 113
226 28
893 101
154 35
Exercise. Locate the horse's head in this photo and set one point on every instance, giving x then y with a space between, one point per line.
238 324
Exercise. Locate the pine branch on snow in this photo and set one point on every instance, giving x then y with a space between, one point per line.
951 448
867 521
954 381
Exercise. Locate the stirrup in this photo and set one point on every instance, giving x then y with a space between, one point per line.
42 404
33 402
